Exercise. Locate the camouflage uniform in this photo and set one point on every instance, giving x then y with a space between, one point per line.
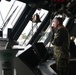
61 43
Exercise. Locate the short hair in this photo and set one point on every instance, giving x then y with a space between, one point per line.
60 20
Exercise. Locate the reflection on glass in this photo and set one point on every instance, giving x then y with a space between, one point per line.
66 21
44 35
31 28
9 14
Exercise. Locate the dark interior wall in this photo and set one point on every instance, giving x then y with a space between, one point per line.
71 26
73 30
21 68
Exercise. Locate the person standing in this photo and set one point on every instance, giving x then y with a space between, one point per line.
61 42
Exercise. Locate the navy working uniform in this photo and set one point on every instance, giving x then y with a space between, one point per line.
61 42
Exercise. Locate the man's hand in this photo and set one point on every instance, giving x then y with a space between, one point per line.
52 29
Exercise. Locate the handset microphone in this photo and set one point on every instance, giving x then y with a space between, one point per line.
52 28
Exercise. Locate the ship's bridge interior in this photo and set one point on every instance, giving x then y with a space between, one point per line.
25 26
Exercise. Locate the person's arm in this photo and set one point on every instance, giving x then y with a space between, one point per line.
52 33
